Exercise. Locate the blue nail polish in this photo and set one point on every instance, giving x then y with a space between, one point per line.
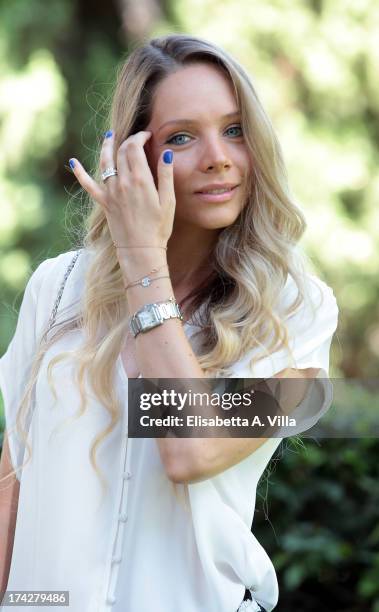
108 134
167 157
72 164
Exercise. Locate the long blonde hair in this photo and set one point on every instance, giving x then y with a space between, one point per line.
250 261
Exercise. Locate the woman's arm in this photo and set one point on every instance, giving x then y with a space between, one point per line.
9 494
191 460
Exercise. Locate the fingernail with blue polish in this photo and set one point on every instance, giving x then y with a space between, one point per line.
167 157
108 134
72 164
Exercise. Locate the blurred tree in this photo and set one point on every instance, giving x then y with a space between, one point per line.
139 18
323 536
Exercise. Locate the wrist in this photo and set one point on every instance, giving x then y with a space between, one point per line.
135 264
158 291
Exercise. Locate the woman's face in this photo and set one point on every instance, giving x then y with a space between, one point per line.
208 150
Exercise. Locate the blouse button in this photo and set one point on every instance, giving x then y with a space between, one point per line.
126 475
116 559
111 601
123 517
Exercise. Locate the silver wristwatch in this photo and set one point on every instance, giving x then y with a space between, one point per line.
151 315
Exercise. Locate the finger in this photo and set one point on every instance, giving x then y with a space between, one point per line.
107 156
87 182
165 173
132 154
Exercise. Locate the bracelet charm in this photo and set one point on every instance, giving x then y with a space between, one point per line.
145 281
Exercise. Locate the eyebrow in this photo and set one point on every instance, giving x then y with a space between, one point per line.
194 122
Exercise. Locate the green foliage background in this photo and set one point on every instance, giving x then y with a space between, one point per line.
315 65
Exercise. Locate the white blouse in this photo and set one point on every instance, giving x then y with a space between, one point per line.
144 548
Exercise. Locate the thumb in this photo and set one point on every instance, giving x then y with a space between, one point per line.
165 173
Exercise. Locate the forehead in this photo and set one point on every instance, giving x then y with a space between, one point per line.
192 91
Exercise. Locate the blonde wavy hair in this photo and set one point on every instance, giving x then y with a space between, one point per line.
249 264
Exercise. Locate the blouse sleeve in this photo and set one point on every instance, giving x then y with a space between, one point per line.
310 328
311 331
15 364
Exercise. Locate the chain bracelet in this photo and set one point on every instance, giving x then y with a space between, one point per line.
145 281
151 272
60 292
143 246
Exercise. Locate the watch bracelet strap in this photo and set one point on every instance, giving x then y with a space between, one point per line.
170 304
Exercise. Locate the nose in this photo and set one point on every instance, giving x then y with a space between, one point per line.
214 156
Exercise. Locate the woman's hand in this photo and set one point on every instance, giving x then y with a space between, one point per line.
137 213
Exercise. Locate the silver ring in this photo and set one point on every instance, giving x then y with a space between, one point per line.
108 172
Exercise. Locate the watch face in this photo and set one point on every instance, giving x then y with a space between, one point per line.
148 317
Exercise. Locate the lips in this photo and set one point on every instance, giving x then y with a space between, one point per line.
217 186
223 196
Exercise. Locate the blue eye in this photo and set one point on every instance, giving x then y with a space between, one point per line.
170 140
235 127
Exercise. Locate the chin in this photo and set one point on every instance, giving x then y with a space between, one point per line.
210 218
218 221
218 226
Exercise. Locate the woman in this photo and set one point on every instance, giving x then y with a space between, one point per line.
190 207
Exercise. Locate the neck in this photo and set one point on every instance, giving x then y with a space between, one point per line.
188 257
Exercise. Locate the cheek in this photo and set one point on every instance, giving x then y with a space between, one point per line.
245 160
182 175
